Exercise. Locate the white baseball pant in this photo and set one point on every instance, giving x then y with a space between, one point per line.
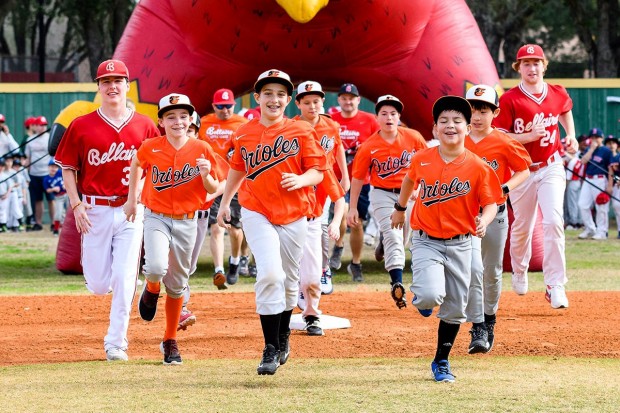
441 275
277 250
110 260
616 204
310 269
487 267
382 203
545 189
587 198
202 228
572 202
167 246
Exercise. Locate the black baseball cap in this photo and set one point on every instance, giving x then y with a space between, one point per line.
349 88
455 103
597 132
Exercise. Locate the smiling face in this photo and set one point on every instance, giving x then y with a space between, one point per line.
531 71
388 118
224 111
451 129
113 90
272 99
310 106
175 122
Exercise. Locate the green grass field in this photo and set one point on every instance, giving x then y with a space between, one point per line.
484 384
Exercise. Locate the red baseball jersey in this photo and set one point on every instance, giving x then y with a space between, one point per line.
502 153
387 162
101 152
520 110
218 132
264 154
353 132
451 194
173 183
329 136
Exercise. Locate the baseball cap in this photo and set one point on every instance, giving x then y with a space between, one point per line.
309 88
483 93
349 88
52 162
455 103
2 161
251 113
2 118
195 120
223 97
611 138
112 68
596 132
389 100
29 121
40 120
174 101
531 51
273 76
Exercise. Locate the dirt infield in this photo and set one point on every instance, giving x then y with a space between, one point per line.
49 329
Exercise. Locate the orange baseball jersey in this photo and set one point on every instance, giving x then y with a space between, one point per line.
221 172
218 132
173 184
502 153
451 194
264 154
329 186
387 162
329 136
101 152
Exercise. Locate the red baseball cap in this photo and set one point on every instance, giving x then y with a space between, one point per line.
531 51
2 118
29 122
223 97
251 114
40 120
112 68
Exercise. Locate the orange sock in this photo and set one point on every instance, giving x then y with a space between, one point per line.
173 312
152 287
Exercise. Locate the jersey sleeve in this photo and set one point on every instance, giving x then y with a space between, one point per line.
361 162
568 102
69 149
504 120
142 155
490 191
518 157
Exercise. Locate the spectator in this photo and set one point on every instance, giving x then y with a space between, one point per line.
54 185
38 160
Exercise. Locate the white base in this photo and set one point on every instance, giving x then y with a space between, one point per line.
328 322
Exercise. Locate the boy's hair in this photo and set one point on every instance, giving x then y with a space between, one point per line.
479 105
452 103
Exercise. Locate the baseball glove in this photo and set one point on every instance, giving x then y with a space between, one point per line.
602 198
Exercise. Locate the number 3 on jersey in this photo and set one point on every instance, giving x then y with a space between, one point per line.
548 140
125 180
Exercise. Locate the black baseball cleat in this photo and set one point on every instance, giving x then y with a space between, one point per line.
285 347
148 304
171 353
379 249
232 276
398 295
479 340
270 361
490 327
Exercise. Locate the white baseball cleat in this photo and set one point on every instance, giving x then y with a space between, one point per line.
116 354
586 234
600 237
519 283
556 295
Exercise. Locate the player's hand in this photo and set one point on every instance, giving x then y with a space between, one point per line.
333 230
572 146
594 144
223 216
130 209
204 166
397 219
414 194
345 183
353 218
291 181
481 227
538 131
82 222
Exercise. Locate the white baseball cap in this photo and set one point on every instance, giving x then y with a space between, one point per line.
309 88
195 120
174 101
274 76
389 100
483 93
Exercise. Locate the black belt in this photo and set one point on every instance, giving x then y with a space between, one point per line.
392 190
203 214
500 208
456 237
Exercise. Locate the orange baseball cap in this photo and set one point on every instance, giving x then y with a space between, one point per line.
112 68
531 51
223 97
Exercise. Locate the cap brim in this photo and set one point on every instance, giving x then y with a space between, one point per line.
189 108
453 103
112 75
311 92
258 86
396 104
483 101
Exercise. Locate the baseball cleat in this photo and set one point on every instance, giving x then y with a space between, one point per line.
285 347
379 249
398 295
335 261
519 283
116 354
490 327
326 282
355 271
232 276
270 361
219 280
186 319
556 296
244 269
479 340
148 304
313 326
171 353
442 372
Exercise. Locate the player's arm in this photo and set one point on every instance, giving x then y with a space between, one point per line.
135 174
517 179
588 155
353 219
311 177
209 182
333 230
406 191
82 223
233 183
568 123
341 160
483 220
